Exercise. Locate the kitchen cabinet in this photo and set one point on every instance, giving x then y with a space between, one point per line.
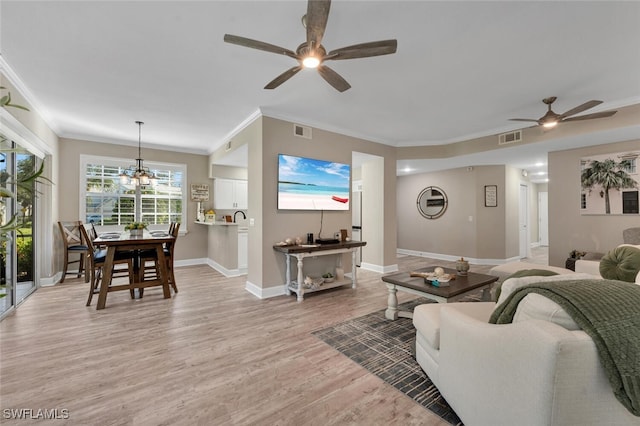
229 194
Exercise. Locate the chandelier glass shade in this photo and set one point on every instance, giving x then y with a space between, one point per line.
139 175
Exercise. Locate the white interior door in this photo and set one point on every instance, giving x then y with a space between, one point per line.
524 221
543 218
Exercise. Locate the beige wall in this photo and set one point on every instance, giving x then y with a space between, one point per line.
193 245
568 229
273 225
467 228
222 245
493 233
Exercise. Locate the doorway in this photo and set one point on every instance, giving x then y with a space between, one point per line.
368 176
17 214
523 222
543 218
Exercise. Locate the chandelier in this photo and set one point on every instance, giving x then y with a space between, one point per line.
138 174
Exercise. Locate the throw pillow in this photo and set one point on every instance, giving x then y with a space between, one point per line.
622 263
525 273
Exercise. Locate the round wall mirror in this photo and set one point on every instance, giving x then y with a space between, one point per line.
432 202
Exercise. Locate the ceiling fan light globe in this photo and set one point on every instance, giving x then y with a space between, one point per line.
311 62
549 124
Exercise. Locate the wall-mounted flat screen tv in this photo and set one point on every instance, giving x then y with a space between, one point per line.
308 184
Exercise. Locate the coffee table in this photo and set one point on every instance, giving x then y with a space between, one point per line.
458 288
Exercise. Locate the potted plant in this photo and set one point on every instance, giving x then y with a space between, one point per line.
136 229
328 277
23 181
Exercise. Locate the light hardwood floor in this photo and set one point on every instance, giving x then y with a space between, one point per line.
212 354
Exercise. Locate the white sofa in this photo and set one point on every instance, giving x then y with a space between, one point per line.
532 372
593 266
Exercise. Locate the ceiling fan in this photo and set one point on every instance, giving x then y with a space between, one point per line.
551 119
311 53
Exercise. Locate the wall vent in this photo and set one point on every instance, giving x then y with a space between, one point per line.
302 131
227 146
511 137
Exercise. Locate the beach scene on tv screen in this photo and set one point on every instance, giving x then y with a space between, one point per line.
309 184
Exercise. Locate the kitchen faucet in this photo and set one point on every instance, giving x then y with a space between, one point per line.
243 215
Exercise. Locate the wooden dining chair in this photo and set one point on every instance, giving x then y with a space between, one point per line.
96 258
148 272
93 234
73 245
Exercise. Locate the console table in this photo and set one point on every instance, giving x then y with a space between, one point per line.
312 250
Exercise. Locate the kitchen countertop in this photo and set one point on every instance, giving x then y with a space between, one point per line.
241 228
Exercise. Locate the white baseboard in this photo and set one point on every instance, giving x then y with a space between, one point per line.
264 293
224 271
450 258
378 268
50 281
191 262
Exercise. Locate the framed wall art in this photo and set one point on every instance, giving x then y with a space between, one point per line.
491 195
609 184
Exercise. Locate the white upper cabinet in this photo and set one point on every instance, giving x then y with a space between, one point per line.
229 194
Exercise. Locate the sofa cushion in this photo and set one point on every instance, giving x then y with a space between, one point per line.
507 269
525 273
426 319
512 284
536 306
622 263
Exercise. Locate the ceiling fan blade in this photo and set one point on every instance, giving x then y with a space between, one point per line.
260 45
365 50
333 78
317 16
523 119
283 77
603 114
585 106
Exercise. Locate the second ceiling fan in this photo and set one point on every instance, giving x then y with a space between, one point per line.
311 53
551 119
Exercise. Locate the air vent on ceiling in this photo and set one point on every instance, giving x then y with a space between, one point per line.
302 131
511 137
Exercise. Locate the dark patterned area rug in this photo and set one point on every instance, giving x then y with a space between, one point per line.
386 348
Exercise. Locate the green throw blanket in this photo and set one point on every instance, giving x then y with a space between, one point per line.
609 312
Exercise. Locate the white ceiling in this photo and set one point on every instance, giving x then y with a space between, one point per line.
462 69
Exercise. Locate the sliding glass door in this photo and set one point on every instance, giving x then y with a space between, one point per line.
17 214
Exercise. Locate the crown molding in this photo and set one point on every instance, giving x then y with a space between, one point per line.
22 88
236 130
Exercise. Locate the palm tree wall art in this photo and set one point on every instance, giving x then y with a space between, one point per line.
603 174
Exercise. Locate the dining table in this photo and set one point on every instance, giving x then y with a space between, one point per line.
128 241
